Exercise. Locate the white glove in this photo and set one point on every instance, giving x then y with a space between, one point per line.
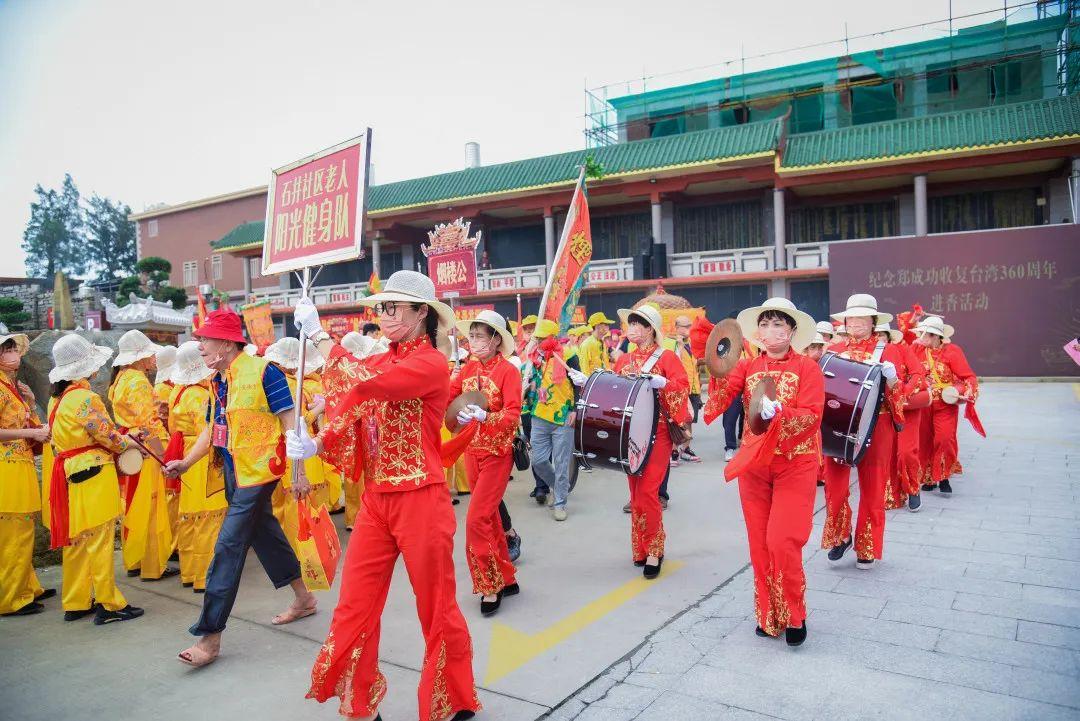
306 318
657 382
299 445
464 417
769 408
477 412
577 377
888 370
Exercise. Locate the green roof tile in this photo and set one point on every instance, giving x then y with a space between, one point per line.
242 235
1019 122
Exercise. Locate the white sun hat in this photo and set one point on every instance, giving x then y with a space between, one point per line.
408 286
74 357
286 353
818 339
651 316
804 324
358 344
251 349
934 324
862 305
166 359
190 368
134 346
824 326
494 321
895 336
22 341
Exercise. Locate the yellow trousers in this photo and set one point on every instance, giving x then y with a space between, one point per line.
88 571
172 505
333 485
18 582
196 535
147 538
354 494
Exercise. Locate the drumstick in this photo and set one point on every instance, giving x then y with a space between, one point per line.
154 456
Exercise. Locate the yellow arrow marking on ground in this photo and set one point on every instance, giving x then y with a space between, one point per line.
1076 390
511 649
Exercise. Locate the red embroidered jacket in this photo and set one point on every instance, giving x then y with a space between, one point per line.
913 369
800 388
947 366
500 382
675 396
385 415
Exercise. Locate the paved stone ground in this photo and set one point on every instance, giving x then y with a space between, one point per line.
973 614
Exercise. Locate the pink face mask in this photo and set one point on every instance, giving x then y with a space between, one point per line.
635 334
10 361
775 338
395 328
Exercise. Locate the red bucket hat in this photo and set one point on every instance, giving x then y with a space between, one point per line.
222 324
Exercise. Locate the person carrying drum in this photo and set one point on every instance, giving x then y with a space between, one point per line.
489 458
860 344
779 466
902 486
644 328
951 380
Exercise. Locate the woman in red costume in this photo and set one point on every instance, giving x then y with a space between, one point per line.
386 413
902 486
777 470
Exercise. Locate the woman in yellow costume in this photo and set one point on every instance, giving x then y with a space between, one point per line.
82 496
202 508
163 386
285 354
20 499
147 536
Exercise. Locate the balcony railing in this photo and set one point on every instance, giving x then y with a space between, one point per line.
344 294
807 255
610 270
722 262
512 279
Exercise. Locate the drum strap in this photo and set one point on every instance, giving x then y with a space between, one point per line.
879 349
653 359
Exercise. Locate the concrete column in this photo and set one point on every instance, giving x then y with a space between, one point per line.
779 288
667 225
549 236
906 205
376 260
921 224
407 260
779 229
657 220
247 276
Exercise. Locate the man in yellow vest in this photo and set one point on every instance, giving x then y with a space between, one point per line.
250 409
593 353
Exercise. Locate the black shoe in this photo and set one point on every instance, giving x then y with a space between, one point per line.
914 503
175 557
453 501
864 565
640 563
795 636
760 632
126 613
47 593
541 499
652 572
463 716
512 590
488 608
336 511
664 503
944 486
199 590
169 572
29 609
187 584
821 484
513 545
929 486
837 552
348 528
76 615
133 573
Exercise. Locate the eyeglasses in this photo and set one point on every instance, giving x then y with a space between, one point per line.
389 308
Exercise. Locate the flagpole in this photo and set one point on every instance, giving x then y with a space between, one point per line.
298 402
562 243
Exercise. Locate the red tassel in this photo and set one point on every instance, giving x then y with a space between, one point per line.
454 447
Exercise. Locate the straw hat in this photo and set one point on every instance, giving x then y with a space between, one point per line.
934 324
166 358
408 286
825 327
648 312
22 342
494 321
190 368
597 318
895 336
804 324
545 329
134 346
286 353
862 305
818 339
74 357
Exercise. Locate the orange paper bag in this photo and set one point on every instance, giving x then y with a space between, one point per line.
319 547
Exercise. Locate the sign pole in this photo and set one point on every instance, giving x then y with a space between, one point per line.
453 340
298 402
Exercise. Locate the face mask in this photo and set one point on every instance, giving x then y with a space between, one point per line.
481 348
396 329
635 334
775 338
10 362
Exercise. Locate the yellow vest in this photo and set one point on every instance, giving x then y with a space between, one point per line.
256 442
592 355
688 361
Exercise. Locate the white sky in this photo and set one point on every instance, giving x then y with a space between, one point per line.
150 101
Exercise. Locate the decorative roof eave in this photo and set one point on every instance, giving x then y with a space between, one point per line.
569 183
147 313
939 154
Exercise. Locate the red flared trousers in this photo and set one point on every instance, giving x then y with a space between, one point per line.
874 470
907 474
646 514
938 448
485 542
778 507
420 526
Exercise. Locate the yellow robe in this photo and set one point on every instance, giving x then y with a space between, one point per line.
593 356
162 394
20 501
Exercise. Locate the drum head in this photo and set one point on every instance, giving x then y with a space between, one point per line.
869 410
642 426
950 395
723 348
130 462
469 398
766 387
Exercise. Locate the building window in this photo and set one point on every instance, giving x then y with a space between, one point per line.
814 224
191 273
152 228
718 227
254 266
984 210
215 267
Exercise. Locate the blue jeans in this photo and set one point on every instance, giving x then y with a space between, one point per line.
249 523
539 487
552 453
732 424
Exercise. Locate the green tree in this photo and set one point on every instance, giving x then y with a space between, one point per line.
110 238
53 239
12 314
151 282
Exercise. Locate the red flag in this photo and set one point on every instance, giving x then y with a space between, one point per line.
200 315
567 276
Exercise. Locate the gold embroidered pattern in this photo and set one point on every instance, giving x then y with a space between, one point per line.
864 543
322 666
440 698
395 453
580 248
837 527
492 436
487 576
779 614
656 546
796 426
377 691
637 533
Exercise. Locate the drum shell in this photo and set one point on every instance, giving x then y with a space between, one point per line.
846 403
129 463
602 429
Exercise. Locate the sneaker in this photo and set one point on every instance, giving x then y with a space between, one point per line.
127 613
795 636
674 462
29 609
76 615
513 545
837 552
663 503
551 501
864 565
944 487
914 503
626 508
169 572
729 453
541 499
559 513
689 456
